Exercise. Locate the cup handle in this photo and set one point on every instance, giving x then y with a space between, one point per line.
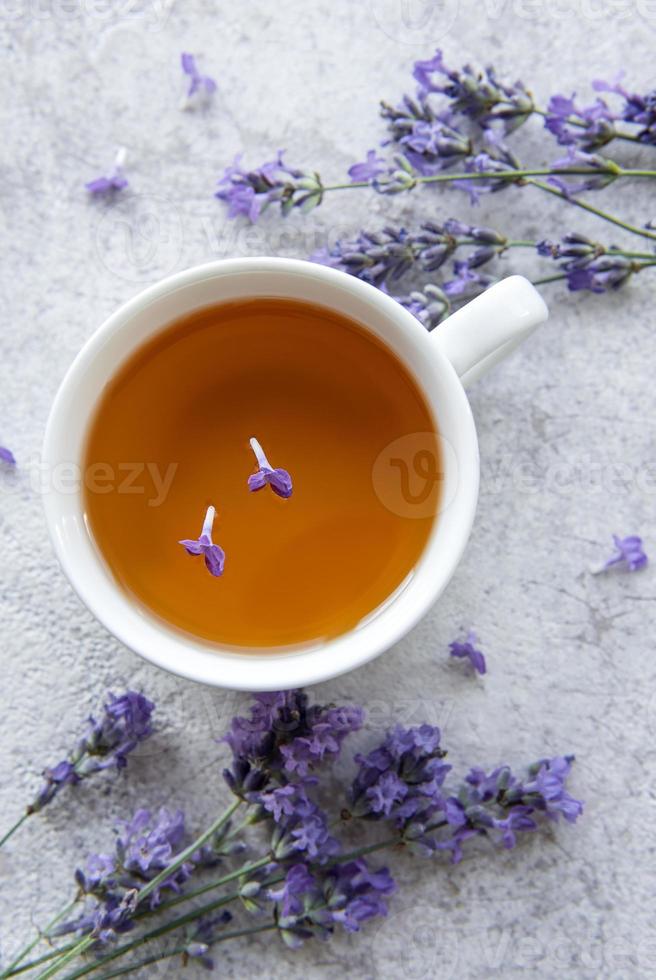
483 332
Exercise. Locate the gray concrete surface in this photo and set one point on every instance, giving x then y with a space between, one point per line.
566 432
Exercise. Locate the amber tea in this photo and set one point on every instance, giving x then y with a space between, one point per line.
323 397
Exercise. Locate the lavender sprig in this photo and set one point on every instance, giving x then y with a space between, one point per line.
106 744
315 889
250 192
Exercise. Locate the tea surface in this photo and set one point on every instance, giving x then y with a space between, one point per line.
324 398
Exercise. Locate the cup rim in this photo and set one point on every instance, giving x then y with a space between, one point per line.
180 654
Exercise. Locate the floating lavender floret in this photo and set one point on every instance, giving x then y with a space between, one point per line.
368 169
629 555
278 479
213 554
467 650
126 721
6 456
198 82
115 181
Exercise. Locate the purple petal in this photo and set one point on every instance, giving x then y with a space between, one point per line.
7 456
281 483
188 63
192 547
214 559
257 481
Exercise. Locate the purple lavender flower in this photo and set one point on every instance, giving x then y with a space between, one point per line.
429 306
467 650
145 846
203 935
300 830
639 110
500 805
198 82
428 141
125 723
602 172
250 192
283 737
467 283
591 127
279 480
401 780
311 903
476 95
115 181
6 456
629 555
587 264
368 169
213 554
382 257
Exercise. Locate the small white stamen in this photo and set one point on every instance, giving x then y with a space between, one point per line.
208 523
121 156
260 455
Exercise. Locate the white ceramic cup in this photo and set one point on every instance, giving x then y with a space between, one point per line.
457 352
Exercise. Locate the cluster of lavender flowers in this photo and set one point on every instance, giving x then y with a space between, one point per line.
382 258
306 883
106 744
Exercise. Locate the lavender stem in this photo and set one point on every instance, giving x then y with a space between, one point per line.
10 970
12 830
634 229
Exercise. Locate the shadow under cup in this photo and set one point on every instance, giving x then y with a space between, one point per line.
330 403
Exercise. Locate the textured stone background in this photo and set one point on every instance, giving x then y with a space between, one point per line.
566 431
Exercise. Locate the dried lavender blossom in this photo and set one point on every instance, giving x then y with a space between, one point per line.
382 257
467 650
213 554
204 933
640 110
250 192
6 456
477 95
629 555
429 306
114 181
197 82
125 722
368 169
285 738
587 264
590 126
278 479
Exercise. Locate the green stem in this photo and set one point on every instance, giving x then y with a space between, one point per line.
37 939
591 209
42 959
555 278
188 852
618 135
511 175
178 950
162 930
12 830
150 887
